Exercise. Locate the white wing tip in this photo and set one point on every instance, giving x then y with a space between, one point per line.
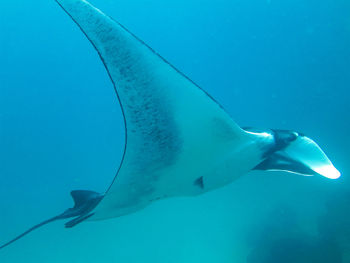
328 171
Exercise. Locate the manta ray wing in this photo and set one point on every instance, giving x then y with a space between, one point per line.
173 127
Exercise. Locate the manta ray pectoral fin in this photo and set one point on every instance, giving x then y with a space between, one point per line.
302 156
168 118
84 203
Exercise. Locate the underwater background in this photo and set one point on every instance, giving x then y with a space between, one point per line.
271 64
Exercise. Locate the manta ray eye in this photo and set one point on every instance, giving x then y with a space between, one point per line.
283 138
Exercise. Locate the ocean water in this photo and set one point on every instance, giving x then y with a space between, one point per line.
271 64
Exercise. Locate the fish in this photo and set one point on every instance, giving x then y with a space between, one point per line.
179 141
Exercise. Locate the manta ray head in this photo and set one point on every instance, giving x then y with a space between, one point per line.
294 152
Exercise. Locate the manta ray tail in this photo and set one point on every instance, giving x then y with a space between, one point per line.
84 202
30 230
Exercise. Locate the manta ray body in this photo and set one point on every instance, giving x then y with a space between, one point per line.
179 140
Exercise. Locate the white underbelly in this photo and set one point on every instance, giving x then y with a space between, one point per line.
193 176
197 170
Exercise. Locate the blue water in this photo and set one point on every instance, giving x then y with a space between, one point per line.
271 64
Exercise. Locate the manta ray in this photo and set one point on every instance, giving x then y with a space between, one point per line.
178 140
